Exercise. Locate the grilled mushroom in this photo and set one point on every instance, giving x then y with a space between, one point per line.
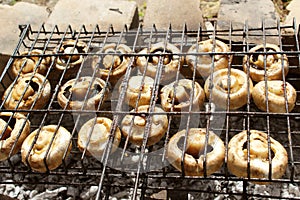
180 91
71 57
29 89
139 87
276 96
259 157
134 126
14 128
24 65
82 93
94 136
236 83
110 64
205 63
47 152
276 64
170 62
193 161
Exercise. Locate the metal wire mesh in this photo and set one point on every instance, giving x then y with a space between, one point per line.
146 170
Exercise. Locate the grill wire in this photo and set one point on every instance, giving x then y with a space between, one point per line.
143 176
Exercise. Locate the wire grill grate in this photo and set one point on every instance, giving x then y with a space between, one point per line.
145 170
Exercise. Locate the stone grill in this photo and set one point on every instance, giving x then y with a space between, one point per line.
143 172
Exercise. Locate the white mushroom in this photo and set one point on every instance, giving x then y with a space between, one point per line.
276 96
236 83
203 62
276 64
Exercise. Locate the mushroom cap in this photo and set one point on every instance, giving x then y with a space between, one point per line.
170 63
239 85
133 126
112 65
203 61
71 54
56 139
82 93
274 62
94 136
259 157
138 87
181 91
194 157
276 96
29 89
15 128
29 63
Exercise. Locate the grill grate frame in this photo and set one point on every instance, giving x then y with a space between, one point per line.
142 177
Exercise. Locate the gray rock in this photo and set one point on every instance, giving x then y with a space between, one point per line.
177 12
294 8
104 12
253 13
12 16
49 194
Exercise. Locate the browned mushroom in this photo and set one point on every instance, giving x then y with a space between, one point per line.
171 62
14 128
139 86
180 91
136 130
28 89
110 64
38 154
71 57
193 161
28 64
259 157
237 86
94 136
82 93
276 64
276 96
204 62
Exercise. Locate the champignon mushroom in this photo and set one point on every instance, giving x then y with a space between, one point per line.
94 136
205 63
82 93
29 89
48 151
171 62
276 64
236 83
133 126
33 63
259 157
110 64
193 161
180 92
276 96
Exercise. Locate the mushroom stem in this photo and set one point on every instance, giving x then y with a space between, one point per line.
5 133
232 83
139 121
180 94
258 149
277 89
110 60
79 90
17 93
71 50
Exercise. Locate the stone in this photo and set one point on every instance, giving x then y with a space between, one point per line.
177 12
253 13
12 17
90 13
293 8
